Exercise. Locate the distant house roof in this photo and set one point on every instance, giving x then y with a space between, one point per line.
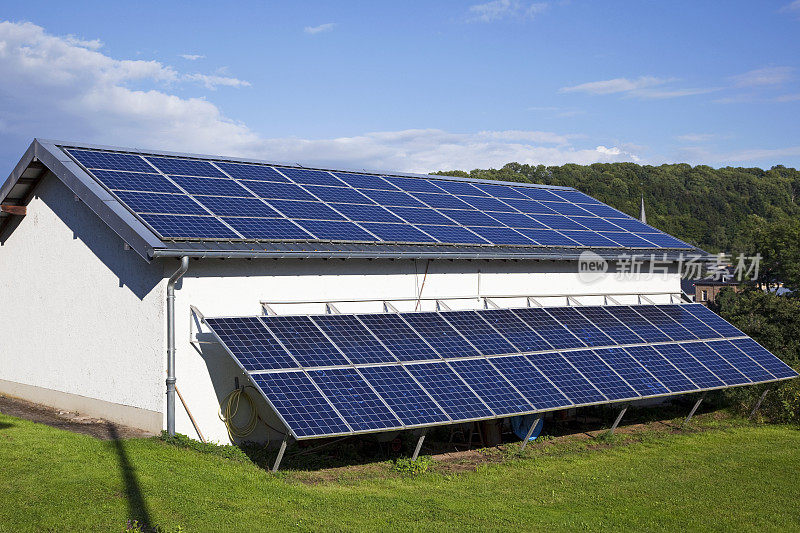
166 204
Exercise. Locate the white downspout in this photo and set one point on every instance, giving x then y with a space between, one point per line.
171 343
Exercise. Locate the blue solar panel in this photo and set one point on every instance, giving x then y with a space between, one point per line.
631 371
536 193
530 382
421 216
135 181
488 204
310 177
268 228
740 361
279 191
547 237
603 210
548 328
353 339
500 191
600 375
398 337
210 186
687 364
719 366
442 201
589 238
300 404
559 222
354 399
439 334
665 323
470 218
335 230
477 331
517 220
251 172
515 330
449 391
251 343
608 324
459 188
366 213
225 206
531 207
413 184
489 384
304 340
365 181
575 197
626 239
309 210
185 167
580 327
338 194
452 234
393 198
595 223
155 202
501 235
397 232
406 398
713 320
564 208
189 227
630 224
681 315
771 364
662 369
637 323
111 161
664 240
569 380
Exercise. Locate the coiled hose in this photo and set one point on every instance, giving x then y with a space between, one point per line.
231 407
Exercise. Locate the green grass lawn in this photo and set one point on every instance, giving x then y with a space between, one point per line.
730 477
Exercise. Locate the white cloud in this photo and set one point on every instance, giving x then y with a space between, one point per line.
788 97
85 96
192 57
211 81
616 85
94 44
763 76
697 137
793 7
561 112
701 155
313 30
505 9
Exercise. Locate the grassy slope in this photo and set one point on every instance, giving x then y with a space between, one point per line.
736 478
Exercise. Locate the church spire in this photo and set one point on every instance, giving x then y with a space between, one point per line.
642 216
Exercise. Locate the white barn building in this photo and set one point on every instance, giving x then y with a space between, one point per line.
84 278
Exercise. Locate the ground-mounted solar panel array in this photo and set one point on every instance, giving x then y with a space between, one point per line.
184 199
329 375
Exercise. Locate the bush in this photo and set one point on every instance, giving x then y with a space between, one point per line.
405 465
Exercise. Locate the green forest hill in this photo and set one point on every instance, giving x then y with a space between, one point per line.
707 207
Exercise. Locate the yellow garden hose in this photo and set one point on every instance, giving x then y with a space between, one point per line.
231 404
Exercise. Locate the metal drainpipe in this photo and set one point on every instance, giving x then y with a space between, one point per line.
171 343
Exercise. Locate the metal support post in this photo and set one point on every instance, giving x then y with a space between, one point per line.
530 432
691 413
280 454
619 418
758 404
419 446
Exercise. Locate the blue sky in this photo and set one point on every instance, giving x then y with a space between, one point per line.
413 86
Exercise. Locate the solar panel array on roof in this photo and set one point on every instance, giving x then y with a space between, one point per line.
342 374
196 199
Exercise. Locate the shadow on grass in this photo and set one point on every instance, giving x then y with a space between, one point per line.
6 425
137 506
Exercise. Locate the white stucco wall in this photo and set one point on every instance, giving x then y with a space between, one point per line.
235 287
79 314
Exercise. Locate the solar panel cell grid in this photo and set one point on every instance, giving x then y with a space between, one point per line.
769 362
548 328
210 186
548 237
665 323
304 341
609 325
393 198
406 398
452 234
690 367
595 223
398 337
535 193
413 184
531 207
576 323
478 332
740 361
251 343
189 227
442 201
719 366
300 404
338 194
335 230
185 167
631 371
268 228
488 204
308 210
135 181
517 220
530 382
491 387
679 314
500 191
366 213
564 208
310 177
421 216
470 218
515 330
397 232
365 181
662 369
589 238
571 383
354 399
459 188
600 375
353 339
502 236
449 391
713 320
111 161
278 191
439 334
251 172
151 202
241 207
637 323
